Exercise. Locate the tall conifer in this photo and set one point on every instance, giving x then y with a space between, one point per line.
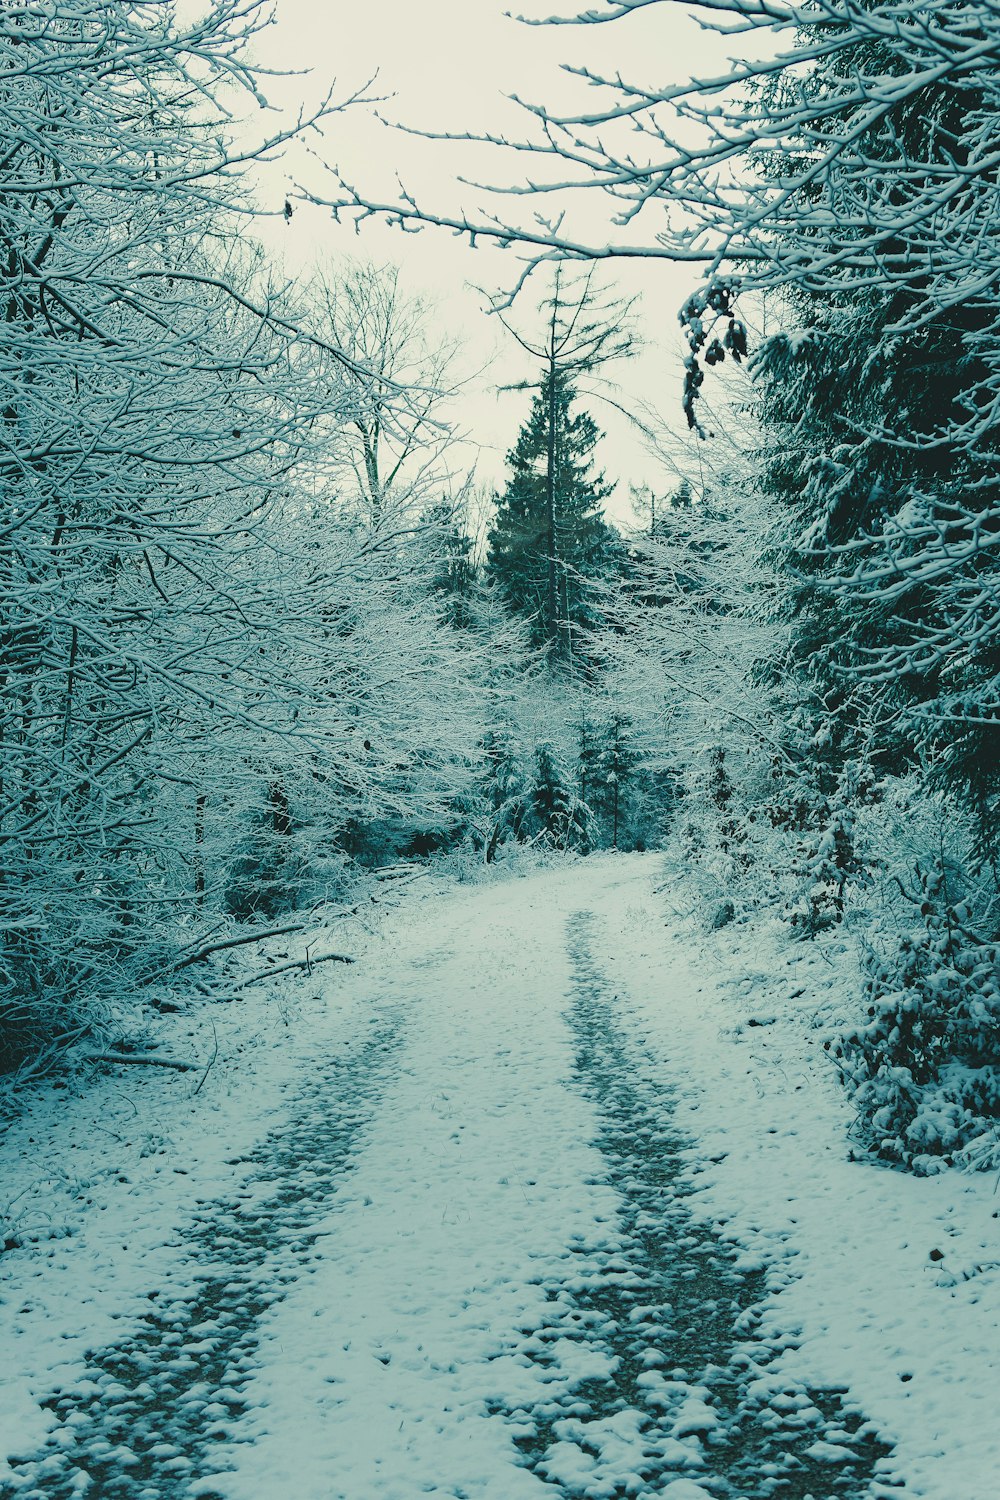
549 535
543 563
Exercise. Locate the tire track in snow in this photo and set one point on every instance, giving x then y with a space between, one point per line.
692 1408
154 1411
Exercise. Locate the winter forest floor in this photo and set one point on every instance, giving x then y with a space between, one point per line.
549 1194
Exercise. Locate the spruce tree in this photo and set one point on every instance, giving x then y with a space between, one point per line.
549 536
543 562
616 770
557 813
453 578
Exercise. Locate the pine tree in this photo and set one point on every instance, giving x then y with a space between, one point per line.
503 790
454 576
588 741
559 816
617 768
542 563
549 535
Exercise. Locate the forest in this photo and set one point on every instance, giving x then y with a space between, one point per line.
261 639
361 801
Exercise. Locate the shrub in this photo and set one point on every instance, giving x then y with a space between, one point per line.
925 1069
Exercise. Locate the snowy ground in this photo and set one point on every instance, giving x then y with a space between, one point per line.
546 1195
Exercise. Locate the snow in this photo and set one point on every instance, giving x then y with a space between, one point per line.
854 1246
417 1269
468 1174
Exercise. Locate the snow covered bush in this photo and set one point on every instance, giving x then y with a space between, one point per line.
925 1068
828 860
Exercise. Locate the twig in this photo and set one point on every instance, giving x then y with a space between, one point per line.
298 963
211 1060
141 1059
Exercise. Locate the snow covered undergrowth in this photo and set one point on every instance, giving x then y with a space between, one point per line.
424 1306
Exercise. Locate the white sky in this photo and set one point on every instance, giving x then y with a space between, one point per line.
448 65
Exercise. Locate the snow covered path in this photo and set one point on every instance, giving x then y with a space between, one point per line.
462 1257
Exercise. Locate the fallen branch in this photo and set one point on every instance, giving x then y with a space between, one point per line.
237 942
299 963
398 875
141 1059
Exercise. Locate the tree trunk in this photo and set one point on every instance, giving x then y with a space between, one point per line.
552 591
281 814
199 850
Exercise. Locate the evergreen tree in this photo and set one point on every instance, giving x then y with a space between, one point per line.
542 563
616 771
588 759
549 536
878 399
454 575
558 815
503 790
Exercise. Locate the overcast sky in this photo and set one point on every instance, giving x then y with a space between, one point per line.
450 65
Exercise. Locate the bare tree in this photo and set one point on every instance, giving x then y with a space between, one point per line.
156 397
403 376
